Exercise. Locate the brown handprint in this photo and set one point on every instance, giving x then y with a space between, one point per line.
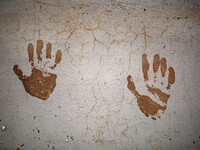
148 106
38 84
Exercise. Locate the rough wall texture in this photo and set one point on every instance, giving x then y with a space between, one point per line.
99 74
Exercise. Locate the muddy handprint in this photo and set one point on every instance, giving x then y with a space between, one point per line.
41 83
146 104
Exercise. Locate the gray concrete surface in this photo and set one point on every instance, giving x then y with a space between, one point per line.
102 42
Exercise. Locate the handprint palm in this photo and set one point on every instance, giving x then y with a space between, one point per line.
38 84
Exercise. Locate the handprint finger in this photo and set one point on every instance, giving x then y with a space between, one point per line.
163 63
39 50
171 77
30 53
48 50
18 72
58 58
145 67
156 63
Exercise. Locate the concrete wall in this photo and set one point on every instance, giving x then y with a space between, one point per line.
126 76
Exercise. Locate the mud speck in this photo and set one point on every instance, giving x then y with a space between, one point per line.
22 145
71 137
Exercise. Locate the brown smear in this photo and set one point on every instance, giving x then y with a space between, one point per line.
163 63
145 66
171 77
37 84
156 63
146 104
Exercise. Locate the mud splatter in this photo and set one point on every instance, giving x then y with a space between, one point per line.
148 106
37 84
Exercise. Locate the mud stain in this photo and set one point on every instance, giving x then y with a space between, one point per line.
37 84
145 103
171 78
163 63
148 106
156 63
145 66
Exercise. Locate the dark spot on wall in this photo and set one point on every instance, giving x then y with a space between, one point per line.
59 106
144 9
170 139
38 131
164 46
53 147
34 117
18 148
194 142
71 137
178 18
186 17
22 145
